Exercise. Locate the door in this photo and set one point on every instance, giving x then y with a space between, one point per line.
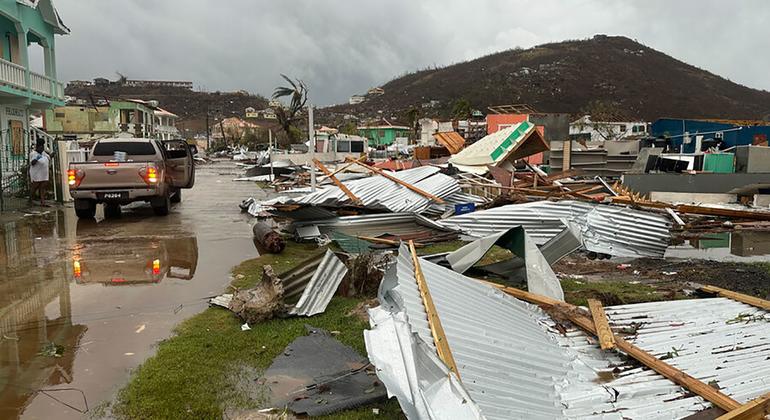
179 163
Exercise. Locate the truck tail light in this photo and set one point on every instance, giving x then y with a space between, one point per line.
75 177
156 267
149 174
76 269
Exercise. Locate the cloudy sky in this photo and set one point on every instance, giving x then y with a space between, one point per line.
342 47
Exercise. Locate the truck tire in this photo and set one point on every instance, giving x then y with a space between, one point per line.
85 209
176 196
112 210
161 205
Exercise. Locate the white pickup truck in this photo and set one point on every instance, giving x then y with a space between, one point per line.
123 170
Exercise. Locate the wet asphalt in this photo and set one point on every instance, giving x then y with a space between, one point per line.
82 303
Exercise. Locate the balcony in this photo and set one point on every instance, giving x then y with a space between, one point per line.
15 76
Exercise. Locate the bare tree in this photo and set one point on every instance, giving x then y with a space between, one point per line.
600 115
288 116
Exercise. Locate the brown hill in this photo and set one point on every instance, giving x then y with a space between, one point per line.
190 105
567 77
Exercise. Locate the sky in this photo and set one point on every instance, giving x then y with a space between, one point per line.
343 47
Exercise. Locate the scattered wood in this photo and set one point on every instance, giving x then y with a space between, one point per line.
411 187
585 323
603 330
755 409
740 297
385 241
439 337
337 182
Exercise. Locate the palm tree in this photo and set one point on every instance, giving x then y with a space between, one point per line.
287 116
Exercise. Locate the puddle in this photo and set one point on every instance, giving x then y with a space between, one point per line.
740 246
82 303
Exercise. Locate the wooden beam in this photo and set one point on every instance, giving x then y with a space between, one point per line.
337 182
439 337
603 330
380 172
740 297
385 241
755 409
346 166
573 313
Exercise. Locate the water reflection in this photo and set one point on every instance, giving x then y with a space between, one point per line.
745 246
37 337
127 261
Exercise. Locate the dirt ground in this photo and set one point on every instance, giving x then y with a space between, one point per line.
663 278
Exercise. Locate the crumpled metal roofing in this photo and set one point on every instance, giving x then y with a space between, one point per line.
310 286
514 363
613 230
378 192
406 225
540 277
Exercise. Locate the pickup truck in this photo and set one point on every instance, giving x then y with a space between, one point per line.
124 170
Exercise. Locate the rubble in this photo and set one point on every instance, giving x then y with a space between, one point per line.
268 238
263 301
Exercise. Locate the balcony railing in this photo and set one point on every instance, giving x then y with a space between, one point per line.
14 75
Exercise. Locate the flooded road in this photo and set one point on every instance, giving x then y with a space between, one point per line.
84 302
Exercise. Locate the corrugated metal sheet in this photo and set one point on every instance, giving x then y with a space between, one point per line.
514 363
715 340
612 230
310 286
377 192
452 140
402 225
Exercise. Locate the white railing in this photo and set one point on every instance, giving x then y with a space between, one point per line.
15 75
40 84
12 74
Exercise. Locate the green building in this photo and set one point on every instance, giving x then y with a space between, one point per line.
29 27
384 134
82 122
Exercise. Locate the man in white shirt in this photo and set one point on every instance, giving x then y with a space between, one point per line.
39 162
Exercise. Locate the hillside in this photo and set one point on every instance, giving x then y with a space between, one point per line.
567 76
188 104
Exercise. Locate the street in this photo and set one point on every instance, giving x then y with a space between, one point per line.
85 302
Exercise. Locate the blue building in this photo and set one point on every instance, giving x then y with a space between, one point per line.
732 133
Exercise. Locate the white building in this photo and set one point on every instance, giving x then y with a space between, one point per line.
165 124
356 99
588 129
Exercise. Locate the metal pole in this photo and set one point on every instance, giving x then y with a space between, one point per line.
311 138
270 152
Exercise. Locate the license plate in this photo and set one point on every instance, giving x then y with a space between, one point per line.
120 195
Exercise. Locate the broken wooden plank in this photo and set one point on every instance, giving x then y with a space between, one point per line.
603 330
385 241
439 336
337 182
411 187
675 216
755 409
740 297
573 313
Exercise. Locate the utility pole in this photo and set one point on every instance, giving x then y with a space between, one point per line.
270 152
208 131
311 138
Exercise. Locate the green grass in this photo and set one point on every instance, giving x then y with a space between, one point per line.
609 292
191 376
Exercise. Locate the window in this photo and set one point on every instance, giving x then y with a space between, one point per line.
380 133
622 128
356 147
343 146
132 148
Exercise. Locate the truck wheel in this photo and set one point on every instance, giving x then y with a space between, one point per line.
85 209
161 205
176 197
112 210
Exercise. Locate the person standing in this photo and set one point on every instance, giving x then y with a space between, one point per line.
39 163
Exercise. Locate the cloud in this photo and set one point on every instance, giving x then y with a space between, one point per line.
342 47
